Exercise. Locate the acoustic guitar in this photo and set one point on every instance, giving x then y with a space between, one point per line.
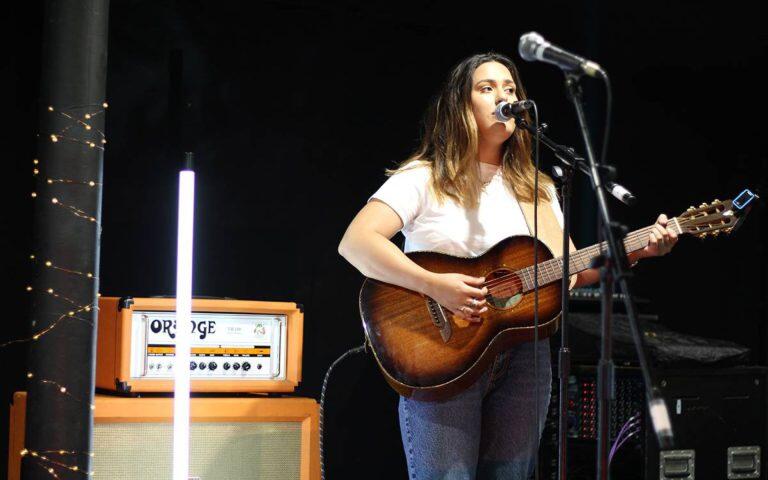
426 353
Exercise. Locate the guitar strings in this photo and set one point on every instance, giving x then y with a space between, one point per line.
639 234
548 266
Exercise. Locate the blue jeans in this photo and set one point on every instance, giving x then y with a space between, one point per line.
485 432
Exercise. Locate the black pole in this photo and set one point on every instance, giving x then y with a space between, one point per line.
605 370
615 268
564 356
67 227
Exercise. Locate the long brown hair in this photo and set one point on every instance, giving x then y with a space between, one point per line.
449 141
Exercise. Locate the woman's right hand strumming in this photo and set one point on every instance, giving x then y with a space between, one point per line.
366 245
461 294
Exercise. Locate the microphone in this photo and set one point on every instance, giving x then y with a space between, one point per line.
505 111
621 193
533 47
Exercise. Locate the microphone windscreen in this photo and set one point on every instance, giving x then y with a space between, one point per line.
529 43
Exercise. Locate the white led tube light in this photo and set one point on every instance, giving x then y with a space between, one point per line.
183 321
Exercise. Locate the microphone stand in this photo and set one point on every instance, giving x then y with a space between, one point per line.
613 267
570 161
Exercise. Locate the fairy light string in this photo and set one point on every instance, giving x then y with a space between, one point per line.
50 464
74 125
73 121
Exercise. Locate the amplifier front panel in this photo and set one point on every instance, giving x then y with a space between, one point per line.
225 346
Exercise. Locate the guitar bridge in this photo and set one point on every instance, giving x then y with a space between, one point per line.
439 319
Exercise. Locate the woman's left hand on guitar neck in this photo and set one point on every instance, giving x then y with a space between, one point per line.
660 242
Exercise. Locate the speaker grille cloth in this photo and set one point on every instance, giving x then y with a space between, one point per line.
218 451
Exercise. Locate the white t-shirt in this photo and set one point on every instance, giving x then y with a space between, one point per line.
448 227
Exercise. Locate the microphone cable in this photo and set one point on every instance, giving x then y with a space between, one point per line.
536 288
608 113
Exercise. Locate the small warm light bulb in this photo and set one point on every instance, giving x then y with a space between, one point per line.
54 138
24 452
50 290
48 263
35 171
103 140
32 257
54 200
63 389
62 452
50 108
105 105
29 375
87 116
87 309
35 338
93 407
50 470
29 288
34 195
71 314
87 127
89 275
35 161
75 468
50 181
91 183
91 144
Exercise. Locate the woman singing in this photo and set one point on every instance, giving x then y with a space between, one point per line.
461 193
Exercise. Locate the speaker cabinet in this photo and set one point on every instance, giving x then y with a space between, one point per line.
230 438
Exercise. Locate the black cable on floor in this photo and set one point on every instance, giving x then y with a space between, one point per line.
349 352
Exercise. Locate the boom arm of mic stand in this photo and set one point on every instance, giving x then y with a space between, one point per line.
571 159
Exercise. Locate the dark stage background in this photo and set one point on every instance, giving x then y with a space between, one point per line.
294 109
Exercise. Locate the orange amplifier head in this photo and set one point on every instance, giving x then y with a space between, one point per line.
237 345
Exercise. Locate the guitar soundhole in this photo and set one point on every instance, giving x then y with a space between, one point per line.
504 289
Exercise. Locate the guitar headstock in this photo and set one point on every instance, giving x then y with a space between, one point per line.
720 216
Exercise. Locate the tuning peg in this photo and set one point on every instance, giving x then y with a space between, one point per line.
717 200
703 205
691 208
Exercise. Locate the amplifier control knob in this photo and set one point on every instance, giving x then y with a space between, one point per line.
151 366
192 366
169 366
226 366
246 366
202 366
212 366
236 366
258 366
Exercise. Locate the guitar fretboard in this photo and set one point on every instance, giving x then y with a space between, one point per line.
580 260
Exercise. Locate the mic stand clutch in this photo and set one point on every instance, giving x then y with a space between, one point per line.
614 267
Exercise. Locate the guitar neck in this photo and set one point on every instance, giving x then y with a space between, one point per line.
580 260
